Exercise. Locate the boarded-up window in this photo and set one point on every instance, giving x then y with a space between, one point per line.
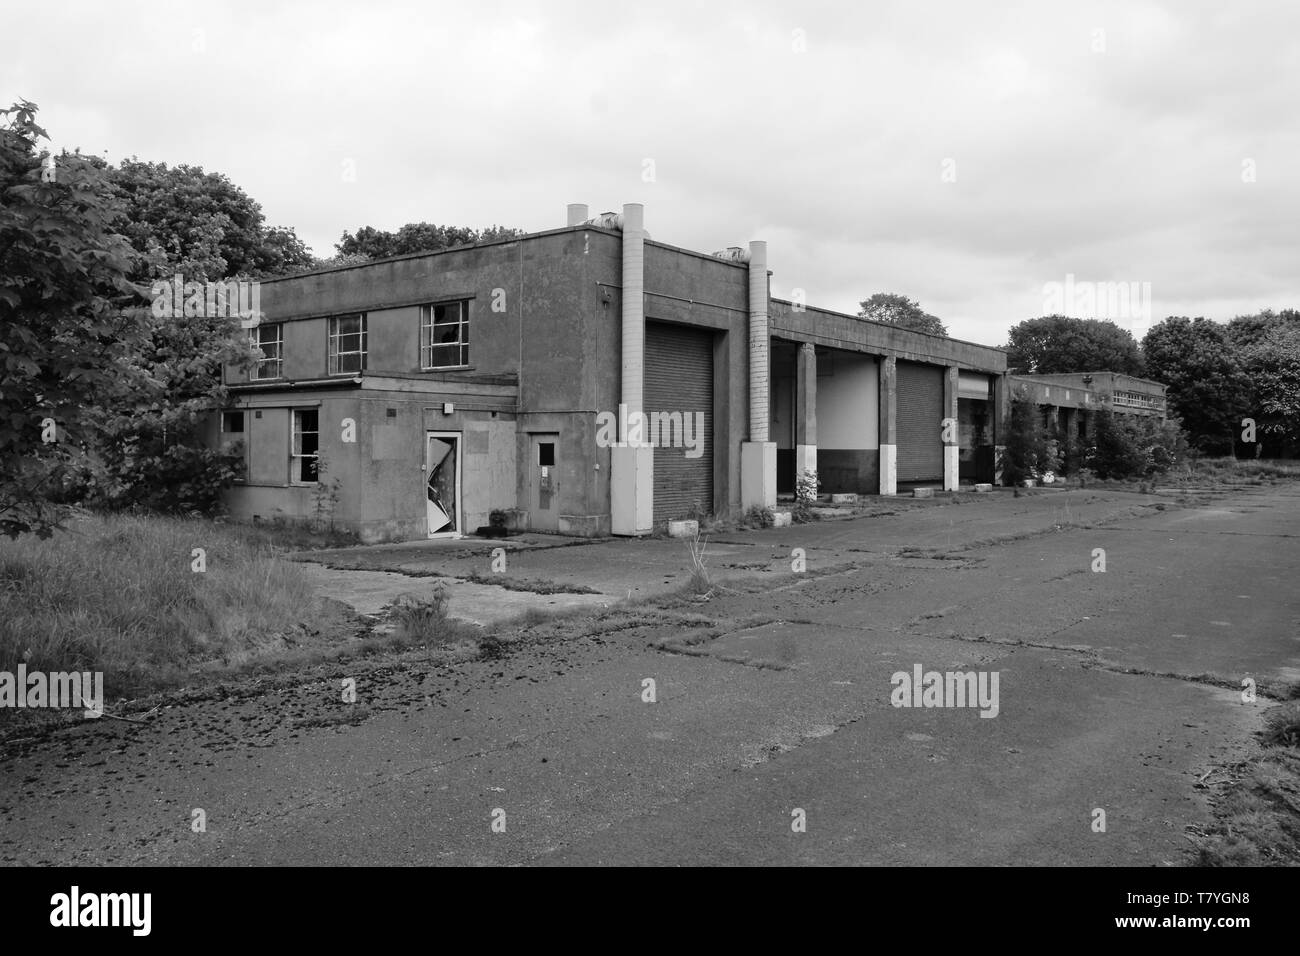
267 433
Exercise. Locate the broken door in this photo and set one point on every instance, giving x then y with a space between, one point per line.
442 485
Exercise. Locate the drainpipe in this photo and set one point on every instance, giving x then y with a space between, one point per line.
577 213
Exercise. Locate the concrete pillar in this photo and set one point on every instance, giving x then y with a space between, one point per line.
949 435
805 414
889 425
1001 421
631 489
758 455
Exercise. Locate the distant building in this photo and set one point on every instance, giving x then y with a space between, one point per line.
1069 399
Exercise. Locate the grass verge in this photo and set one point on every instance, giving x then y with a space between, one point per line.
132 597
1257 818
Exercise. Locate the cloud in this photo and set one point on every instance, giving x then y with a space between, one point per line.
825 129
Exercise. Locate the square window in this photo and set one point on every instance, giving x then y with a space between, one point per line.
444 335
347 344
269 340
546 453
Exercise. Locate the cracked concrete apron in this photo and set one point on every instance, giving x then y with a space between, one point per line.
1118 690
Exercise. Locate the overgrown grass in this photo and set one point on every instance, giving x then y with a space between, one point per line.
282 534
423 618
700 582
1258 818
121 595
1243 469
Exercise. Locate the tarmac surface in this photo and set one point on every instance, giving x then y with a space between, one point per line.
771 737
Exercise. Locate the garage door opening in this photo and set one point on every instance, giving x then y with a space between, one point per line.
679 386
920 423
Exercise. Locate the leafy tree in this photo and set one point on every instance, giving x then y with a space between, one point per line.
1208 388
1058 343
1271 364
892 309
150 449
371 243
181 219
282 253
1248 330
69 316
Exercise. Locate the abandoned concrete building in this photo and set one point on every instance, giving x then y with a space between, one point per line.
426 392
1069 400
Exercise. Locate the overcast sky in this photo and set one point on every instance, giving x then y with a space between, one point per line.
962 153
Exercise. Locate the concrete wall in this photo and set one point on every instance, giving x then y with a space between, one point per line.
381 474
848 332
685 288
526 301
700 290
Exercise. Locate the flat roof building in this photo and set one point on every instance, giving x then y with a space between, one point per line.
586 380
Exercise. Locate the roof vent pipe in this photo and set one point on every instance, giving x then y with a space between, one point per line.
633 307
758 342
577 213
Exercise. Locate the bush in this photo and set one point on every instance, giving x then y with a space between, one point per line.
1028 452
1071 453
806 487
423 618
171 479
1135 446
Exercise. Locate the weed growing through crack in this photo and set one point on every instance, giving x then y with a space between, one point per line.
422 617
699 582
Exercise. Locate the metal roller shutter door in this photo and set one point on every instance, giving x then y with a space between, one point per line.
679 378
920 422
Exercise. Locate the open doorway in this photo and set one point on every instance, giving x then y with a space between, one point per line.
442 484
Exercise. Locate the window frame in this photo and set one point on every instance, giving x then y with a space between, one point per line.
333 336
296 455
255 338
427 344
